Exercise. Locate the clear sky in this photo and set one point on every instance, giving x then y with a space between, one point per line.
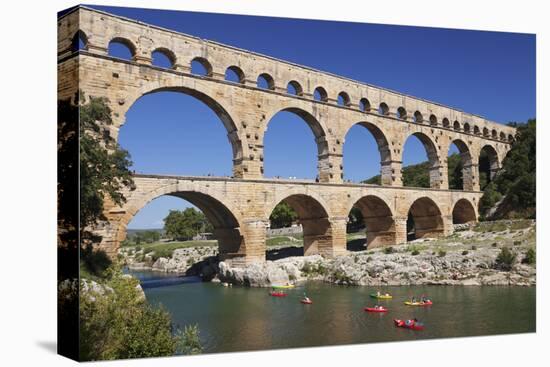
491 74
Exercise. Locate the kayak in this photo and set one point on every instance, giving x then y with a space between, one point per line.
373 309
283 286
409 324
277 294
426 303
306 302
382 296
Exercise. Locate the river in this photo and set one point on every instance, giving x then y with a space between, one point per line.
242 319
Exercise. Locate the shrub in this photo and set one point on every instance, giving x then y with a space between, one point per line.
530 257
415 252
121 324
494 244
505 259
465 252
441 253
474 247
189 341
389 250
369 259
517 243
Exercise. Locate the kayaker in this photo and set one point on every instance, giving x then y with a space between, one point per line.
378 294
306 298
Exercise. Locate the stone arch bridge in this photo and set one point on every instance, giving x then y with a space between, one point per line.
239 207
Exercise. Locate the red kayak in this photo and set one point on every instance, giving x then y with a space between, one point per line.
306 301
409 324
277 294
374 309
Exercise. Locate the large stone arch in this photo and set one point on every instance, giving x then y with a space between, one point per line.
464 212
436 180
315 221
469 174
386 154
223 217
312 118
427 218
378 219
494 160
203 95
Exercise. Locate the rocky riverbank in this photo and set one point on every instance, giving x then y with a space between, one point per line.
468 257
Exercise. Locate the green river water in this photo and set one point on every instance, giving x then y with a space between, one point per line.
242 319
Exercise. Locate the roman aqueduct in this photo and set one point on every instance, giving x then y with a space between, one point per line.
239 206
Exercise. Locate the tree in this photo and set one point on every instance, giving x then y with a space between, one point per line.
183 225
516 181
282 216
104 166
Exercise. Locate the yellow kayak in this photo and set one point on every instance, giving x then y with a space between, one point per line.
382 296
283 286
426 303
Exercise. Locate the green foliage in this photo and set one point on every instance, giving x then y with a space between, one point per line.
104 166
184 224
474 247
465 252
415 252
144 237
490 197
282 216
454 164
355 219
516 181
120 323
441 253
189 341
389 250
505 259
530 257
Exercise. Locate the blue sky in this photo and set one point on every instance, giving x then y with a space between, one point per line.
491 74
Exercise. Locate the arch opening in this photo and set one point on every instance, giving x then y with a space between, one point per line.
362 142
446 123
343 99
178 217
315 224
464 212
459 166
401 113
158 122
201 67
164 58
320 94
364 105
122 48
424 220
420 162
265 81
383 109
433 120
488 166
476 130
417 117
234 74
291 139
467 128
294 88
370 224
79 41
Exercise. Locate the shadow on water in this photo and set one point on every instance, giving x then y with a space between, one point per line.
168 281
281 253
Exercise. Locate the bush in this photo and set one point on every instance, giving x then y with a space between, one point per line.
389 250
415 252
505 259
441 253
189 341
465 252
369 259
494 244
530 257
517 243
120 324
474 247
